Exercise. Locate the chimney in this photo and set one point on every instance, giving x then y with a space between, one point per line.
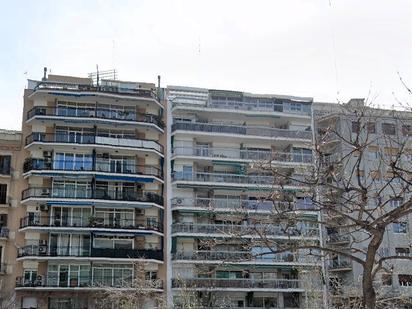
158 86
44 74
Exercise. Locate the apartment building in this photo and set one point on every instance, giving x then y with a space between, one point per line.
220 198
91 205
9 156
386 133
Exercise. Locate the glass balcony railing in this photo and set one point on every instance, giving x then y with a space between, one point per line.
233 230
76 251
98 193
88 282
89 222
237 179
99 166
242 154
95 112
240 205
83 138
244 283
242 130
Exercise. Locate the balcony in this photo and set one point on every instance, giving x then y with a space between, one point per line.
74 251
87 166
89 194
243 154
92 139
4 232
238 283
116 115
257 131
91 222
106 89
242 257
233 230
237 179
87 283
337 238
340 265
226 204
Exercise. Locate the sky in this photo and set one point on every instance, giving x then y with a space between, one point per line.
331 50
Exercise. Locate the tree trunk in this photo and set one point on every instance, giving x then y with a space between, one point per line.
369 294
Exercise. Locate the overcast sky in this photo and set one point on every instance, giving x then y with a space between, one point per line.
327 49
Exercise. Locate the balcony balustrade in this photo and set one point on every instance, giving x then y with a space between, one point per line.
95 112
232 230
340 265
93 139
112 89
4 232
76 251
90 222
88 282
98 193
243 256
229 204
242 154
238 179
242 130
84 165
242 283
337 238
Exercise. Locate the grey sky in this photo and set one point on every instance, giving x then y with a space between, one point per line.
329 50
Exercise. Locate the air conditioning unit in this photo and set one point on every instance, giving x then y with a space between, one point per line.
47 154
42 242
39 280
140 212
42 250
106 156
44 208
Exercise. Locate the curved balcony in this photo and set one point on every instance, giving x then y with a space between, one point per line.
255 131
87 283
207 256
82 167
104 195
239 283
216 153
93 140
232 230
45 251
91 114
226 179
238 205
95 223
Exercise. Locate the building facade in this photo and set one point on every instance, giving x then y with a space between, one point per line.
221 199
92 203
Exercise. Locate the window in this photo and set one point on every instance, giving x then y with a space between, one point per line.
355 127
402 251
387 279
400 227
3 193
405 280
407 130
396 202
388 128
3 220
295 107
371 126
5 165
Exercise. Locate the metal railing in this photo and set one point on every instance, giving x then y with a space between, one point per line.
239 204
4 232
335 238
84 165
78 251
98 193
233 230
339 264
243 283
242 130
243 154
237 178
89 222
242 256
94 112
88 281
62 86
91 139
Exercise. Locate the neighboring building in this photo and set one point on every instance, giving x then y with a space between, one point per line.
219 197
388 132
9 174
92 191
